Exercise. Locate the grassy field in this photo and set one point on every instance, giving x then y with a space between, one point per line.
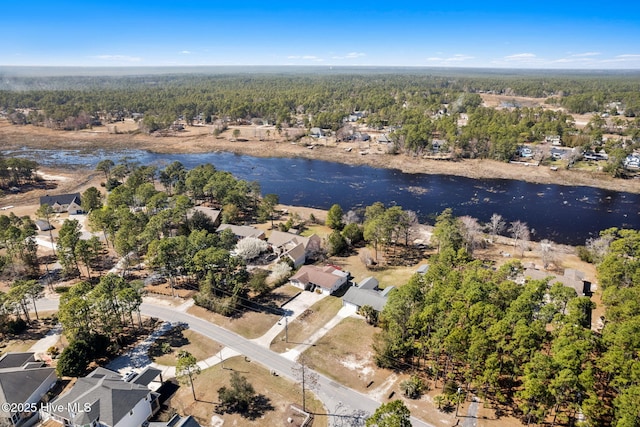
279 394
196 344
300 329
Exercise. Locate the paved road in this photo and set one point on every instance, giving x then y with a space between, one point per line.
332 394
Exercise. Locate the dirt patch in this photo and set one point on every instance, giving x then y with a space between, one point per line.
280 394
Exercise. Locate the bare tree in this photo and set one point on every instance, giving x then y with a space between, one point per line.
351 217
496 225
547 254
598 247
519 231
308 378
471 232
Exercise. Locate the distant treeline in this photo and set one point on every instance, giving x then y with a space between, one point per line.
415 109
279 96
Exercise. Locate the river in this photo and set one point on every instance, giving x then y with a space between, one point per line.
563 214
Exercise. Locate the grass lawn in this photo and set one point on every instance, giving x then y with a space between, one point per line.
199 346
251 324
345 355
307 323
390 276
279 392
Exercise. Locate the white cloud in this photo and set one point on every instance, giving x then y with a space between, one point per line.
120 58
520 57
306 58
185 52
457 58
350 55
580 55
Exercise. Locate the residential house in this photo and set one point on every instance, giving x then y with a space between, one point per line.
43 225
214 215
326 279
63 203
23 381
525 152
242 231
293 246
570 278
367 293
104 399
355 116
632 161
316 133
384 139
558 153
553 140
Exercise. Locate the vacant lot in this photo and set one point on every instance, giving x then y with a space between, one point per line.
312 319
177 340
278 393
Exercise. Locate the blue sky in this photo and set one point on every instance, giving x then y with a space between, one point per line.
514 34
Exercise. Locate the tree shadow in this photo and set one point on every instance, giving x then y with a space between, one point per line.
259 405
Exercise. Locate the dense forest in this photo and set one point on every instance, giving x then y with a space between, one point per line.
529 347
414 108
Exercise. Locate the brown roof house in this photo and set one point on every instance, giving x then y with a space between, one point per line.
23 382
293 246
104 399
63 203
326 279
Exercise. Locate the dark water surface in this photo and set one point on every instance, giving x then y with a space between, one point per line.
564 214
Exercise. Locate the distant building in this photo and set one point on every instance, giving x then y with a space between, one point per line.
63 203
316 133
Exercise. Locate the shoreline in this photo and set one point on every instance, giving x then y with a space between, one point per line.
198 140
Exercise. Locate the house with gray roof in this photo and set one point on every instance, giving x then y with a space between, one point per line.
570 278
104 399
242 231
215 215
23 381
61 203
293 246
367 293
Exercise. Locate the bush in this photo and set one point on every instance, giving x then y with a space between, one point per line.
413 387
16 326
53 351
